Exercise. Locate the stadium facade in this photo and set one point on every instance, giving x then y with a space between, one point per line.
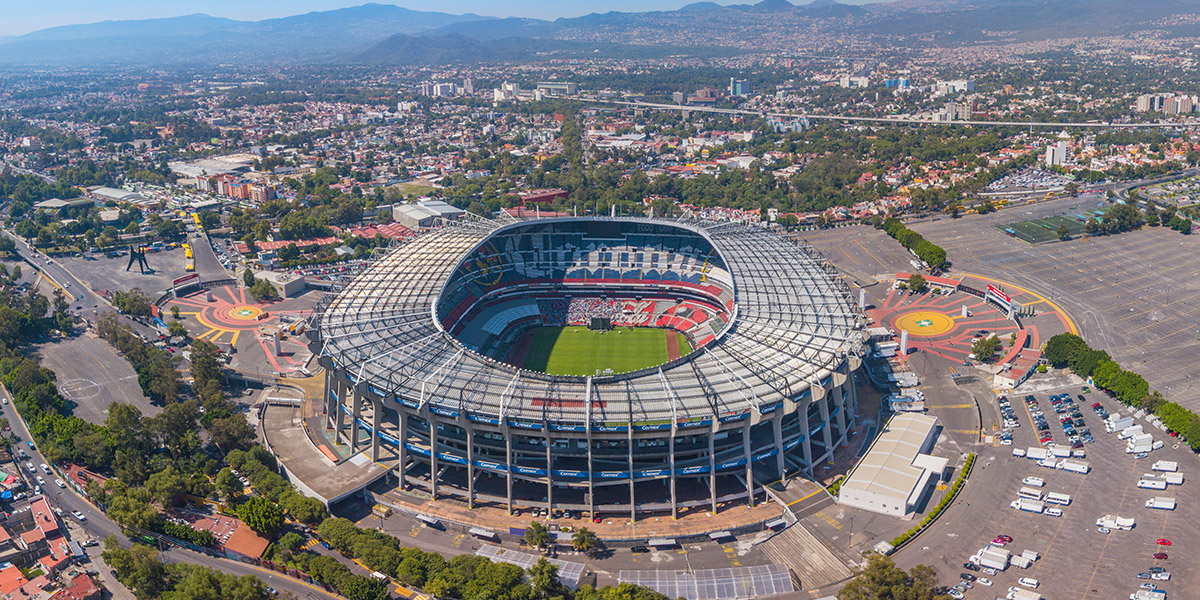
417 346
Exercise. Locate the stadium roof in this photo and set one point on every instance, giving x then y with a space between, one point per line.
793 323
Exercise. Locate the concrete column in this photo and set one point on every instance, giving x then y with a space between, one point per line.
549 472
511 470
433 458
840 400
591 450
337 415
671 477
356 408
777 431
853 401
470 463
402 456
376 428
826 434
807 443
329 404
632 497
749 465
712 463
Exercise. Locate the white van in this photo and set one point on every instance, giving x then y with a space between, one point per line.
1053 512
1034 481
1029 582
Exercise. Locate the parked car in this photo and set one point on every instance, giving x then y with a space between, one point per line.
1163 542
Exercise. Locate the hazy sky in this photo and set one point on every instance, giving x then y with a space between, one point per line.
23 16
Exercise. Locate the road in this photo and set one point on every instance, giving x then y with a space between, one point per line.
898 119
83 299
207 264
99 526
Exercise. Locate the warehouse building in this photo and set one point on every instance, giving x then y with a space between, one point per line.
897 471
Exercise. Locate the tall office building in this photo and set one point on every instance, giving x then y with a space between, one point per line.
468 86
1056 154
738 87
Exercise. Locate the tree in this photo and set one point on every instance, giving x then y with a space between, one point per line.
544 580
248 277
232 432
985 348
883 580
175 312
262 515
176 329
917 283
584 540
166 485
138 567
263 290
228 484
1071 188
1063 232
537 535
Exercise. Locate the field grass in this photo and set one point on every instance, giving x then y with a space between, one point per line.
580 351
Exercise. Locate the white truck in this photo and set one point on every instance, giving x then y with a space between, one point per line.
1168 466
1037 453
1161 502
1149 595
1117 423
1075 466
1016 593
1021 562
1115 522
1025 504
1131 431
1060 451
1173 478
1140 443
996 558
1152 484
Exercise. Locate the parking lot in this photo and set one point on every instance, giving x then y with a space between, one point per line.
1133 295
1076 560
102 272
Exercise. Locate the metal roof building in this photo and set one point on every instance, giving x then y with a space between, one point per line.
765 390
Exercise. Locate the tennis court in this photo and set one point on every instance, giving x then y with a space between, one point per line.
1038 231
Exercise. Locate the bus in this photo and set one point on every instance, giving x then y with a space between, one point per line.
1054 498
187 250
1030 493
191 266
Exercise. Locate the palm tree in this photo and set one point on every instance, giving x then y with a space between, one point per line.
537 535
584 541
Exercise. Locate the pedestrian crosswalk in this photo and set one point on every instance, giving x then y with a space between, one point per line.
310 543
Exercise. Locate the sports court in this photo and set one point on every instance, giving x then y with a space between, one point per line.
1038 231
582 351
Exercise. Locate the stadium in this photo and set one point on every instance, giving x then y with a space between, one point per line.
610 366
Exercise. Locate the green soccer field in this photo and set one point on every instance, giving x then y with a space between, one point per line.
580 351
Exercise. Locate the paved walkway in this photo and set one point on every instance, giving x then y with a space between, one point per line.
698 522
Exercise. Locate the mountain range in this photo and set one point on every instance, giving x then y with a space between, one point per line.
388 34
